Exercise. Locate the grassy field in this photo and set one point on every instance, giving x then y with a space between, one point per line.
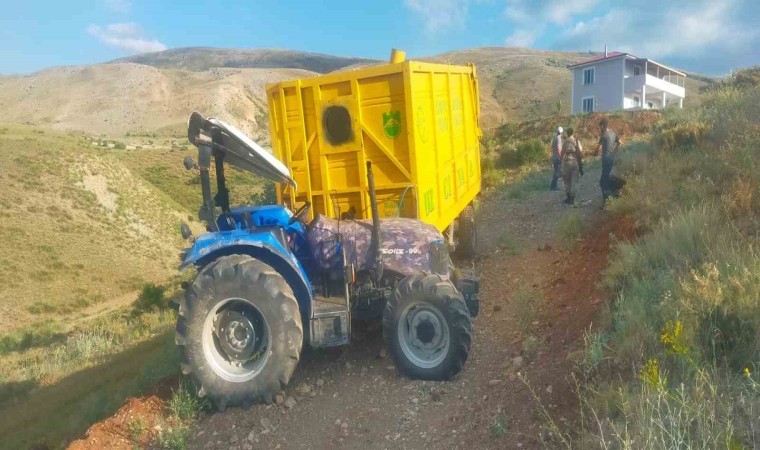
678 365
89 242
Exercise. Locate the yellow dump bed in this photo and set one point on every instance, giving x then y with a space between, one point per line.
416 122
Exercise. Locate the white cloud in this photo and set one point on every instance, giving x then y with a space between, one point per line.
521 38
532 17
657 30
440 15
125 36
119 6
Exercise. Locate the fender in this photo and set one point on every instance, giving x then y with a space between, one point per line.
267 246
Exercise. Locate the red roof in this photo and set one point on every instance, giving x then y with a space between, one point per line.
610 55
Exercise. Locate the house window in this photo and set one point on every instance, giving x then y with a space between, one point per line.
588 104
637 70
588 76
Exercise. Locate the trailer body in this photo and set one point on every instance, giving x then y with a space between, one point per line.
416 122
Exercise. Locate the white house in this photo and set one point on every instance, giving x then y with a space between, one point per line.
615 81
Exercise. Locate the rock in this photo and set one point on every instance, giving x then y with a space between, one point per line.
266 424
512 377
252 436
247 446
518 362
344 426
290 402
234 439
383 353
435 396
209 444
414 400
320 382
279 399
304 389
337 422
494 382
549 389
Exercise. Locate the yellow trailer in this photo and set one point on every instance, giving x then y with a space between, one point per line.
416 122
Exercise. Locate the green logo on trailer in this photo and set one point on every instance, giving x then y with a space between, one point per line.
392 124
429 206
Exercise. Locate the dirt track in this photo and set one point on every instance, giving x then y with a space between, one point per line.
535 306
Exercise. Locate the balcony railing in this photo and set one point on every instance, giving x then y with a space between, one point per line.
636 82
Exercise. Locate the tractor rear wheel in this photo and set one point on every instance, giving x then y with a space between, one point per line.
467 236
239 331
427 327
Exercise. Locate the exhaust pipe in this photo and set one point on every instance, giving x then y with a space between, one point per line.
377 271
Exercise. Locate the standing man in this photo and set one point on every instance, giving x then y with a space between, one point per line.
572 165
556 157
609 143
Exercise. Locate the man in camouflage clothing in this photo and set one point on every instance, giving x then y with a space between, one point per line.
572 165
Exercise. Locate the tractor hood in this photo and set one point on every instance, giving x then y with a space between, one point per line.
239 150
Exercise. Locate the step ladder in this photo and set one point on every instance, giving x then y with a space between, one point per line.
330 322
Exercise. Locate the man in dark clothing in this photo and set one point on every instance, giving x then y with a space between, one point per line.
609 144
556 157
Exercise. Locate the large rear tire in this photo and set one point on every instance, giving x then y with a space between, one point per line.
239 331
427 328
467 237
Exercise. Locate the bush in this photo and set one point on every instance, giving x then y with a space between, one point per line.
531 151
150 299
508 158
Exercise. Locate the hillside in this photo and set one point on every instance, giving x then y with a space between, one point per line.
205 58
154 93
115 99
83 225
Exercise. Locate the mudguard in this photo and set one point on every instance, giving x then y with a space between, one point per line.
268 245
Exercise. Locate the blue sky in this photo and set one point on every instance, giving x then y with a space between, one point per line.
708 36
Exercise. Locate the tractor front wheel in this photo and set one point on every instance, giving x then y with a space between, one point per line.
239 331
427 327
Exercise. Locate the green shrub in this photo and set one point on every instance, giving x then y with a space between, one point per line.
569 229
531 151
150 299
508 158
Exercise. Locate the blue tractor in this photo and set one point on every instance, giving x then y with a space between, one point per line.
268 283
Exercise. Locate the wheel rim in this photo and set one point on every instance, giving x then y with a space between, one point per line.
236 339
424 335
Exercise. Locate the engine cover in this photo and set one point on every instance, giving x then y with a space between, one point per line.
407 245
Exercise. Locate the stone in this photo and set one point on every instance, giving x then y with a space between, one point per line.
290 402
383 353
320 382
266 424
252 436
279 399
518 362
494 382
304 389
549 389
234 438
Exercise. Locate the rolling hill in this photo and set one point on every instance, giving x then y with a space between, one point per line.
154 93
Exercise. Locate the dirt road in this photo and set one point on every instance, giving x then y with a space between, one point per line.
537 298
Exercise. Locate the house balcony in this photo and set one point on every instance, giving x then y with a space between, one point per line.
654 85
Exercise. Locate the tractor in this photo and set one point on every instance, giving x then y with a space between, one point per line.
268 283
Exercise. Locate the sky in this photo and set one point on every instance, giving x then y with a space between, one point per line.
706 36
